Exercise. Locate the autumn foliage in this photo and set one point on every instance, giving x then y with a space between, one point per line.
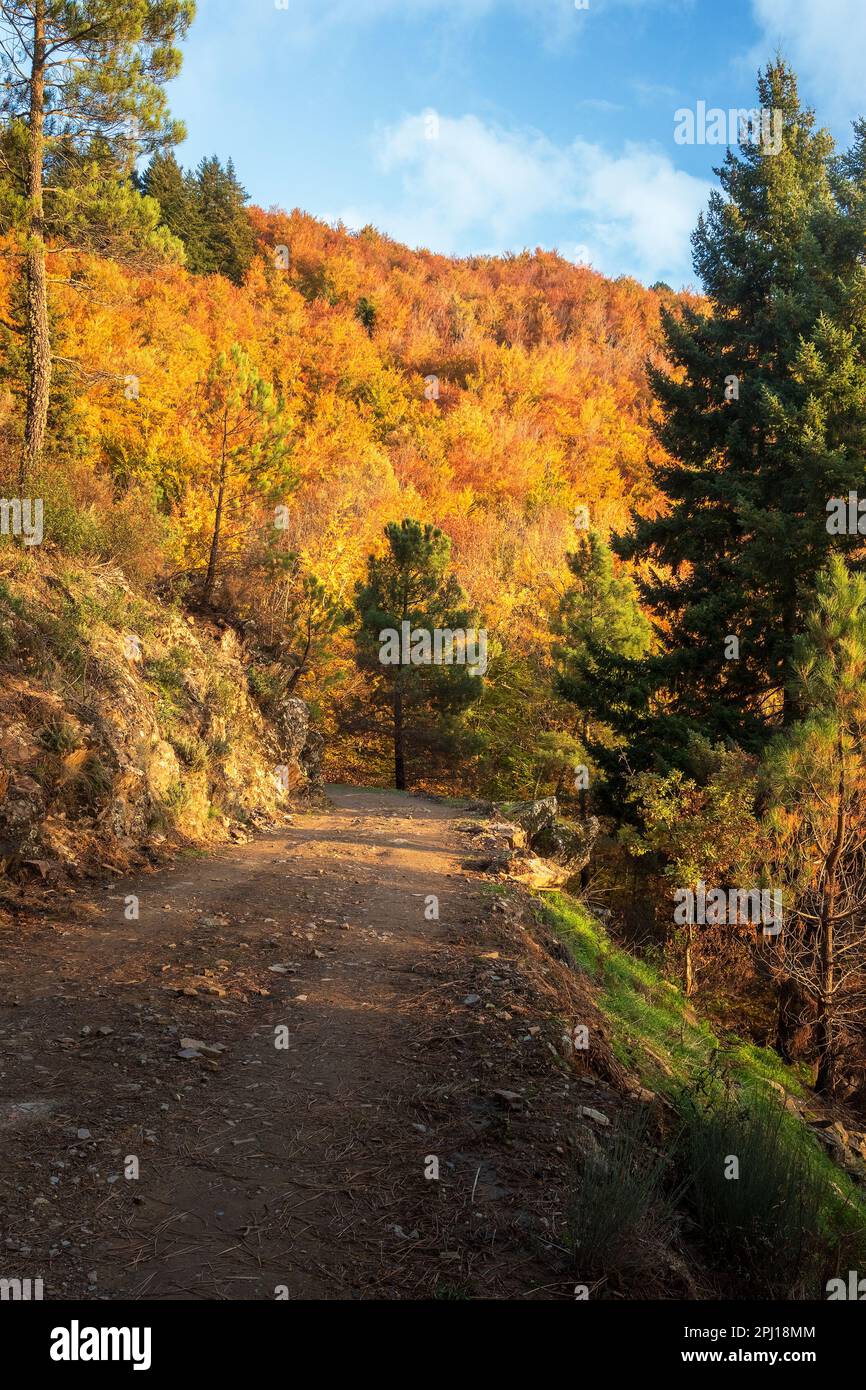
489 396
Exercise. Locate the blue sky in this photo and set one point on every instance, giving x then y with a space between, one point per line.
493 125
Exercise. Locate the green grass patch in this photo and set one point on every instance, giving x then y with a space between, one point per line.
652 1035
493 890
656 1033
724 1092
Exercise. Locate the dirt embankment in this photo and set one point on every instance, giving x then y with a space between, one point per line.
129 726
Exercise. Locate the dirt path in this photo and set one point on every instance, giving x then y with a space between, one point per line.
267 1170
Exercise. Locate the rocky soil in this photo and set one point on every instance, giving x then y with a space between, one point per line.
129 727
277 1072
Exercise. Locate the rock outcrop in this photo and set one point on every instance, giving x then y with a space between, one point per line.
526 842
300 746
22 810
532 816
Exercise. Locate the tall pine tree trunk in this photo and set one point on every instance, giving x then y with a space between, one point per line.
399 751
689 962
825 1030
213 558
37 329
302 662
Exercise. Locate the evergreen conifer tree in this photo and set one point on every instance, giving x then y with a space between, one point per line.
410 584
764 420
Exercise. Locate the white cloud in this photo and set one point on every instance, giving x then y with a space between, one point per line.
479 188
641 210
475 177
560 20
825 40
600 104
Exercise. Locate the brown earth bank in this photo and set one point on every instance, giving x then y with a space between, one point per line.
286 1045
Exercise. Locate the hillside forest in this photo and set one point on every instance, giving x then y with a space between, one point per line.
238 444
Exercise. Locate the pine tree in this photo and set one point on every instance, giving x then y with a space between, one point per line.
601 607
816 779
165 181
298 615
409 590
365 313
765 421
223 239
599 621
83 78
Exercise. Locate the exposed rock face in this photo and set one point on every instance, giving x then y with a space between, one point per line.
161 769
22 809
531 816
848 1147
535 872
292 724
514 836
569 846
301 747
529 844
496 855
311 759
